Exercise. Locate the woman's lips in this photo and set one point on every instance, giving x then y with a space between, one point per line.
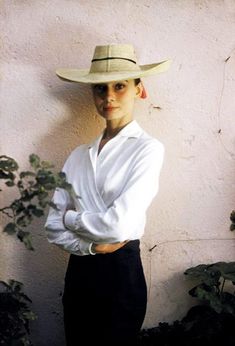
109 109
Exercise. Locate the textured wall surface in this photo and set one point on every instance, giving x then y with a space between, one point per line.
190 109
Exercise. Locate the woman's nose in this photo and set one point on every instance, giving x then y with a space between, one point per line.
110 95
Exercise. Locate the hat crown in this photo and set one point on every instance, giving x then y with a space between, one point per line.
114 58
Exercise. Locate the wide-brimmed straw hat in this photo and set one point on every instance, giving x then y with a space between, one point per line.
112 63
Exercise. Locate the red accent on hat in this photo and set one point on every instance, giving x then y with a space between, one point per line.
143 94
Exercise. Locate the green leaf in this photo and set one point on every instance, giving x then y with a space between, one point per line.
7 175
10 183
20 184
23 221
227 269
10 228
27 196
37 212
17 206
27 174
24 341
35 161
25 237
62 175
42 194
16 286
232 216
208 294
47 164
43 203
232 227
30 315
8 163
3 175
47 179
205 273
196 271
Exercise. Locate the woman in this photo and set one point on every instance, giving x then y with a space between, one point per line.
116 179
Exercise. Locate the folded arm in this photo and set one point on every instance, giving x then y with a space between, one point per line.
66 239
117 223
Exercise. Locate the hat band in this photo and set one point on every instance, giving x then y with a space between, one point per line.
112 57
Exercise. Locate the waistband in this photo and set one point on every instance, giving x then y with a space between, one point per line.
132 244
130 248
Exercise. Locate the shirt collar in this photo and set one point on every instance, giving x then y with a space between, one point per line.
131 130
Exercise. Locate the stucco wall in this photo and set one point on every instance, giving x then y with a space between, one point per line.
189 219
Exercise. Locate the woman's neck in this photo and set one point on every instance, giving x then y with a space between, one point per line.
114 126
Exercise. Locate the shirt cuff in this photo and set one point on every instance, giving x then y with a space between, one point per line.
84 248
72 220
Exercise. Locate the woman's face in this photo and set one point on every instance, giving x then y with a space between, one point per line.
115 100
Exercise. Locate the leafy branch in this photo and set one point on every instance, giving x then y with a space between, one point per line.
33 188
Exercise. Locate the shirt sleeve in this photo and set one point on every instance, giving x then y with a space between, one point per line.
59 235
128 210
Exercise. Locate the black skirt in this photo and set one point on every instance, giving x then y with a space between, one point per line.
105 297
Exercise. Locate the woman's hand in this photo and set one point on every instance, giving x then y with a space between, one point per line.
107 248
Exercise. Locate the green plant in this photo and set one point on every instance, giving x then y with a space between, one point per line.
33 189
211 322
211 287
15 314
33 196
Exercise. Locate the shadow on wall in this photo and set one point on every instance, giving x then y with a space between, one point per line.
80 122
75 122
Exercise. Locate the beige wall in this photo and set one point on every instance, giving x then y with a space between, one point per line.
189 219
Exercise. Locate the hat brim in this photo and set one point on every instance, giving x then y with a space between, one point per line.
84 76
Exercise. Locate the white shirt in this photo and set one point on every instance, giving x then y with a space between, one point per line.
114 189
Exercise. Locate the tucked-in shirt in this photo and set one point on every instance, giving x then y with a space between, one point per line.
114 190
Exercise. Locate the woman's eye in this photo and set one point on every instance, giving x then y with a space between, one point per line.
119 86
99 88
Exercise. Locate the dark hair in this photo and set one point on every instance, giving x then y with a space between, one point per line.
137 81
